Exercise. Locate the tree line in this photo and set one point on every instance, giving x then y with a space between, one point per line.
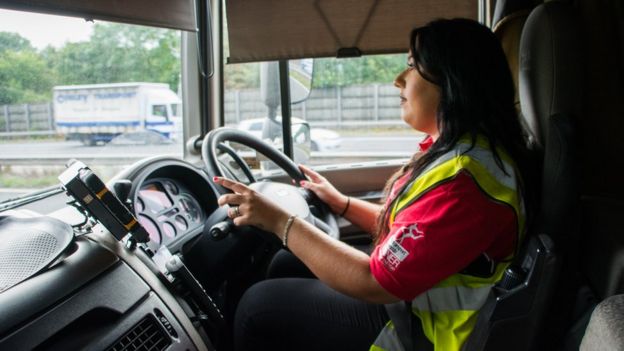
121 53
114 53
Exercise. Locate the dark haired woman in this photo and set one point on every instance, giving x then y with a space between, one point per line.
452 220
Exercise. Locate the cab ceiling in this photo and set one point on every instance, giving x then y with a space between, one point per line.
176 14
267 30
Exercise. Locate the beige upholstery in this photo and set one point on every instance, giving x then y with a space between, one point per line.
508 31
285 29
605 331
177 14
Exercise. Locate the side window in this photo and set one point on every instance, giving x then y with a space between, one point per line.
354 111
159 110
73 87
176 110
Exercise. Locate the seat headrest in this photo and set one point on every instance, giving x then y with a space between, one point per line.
508 20
505 9
550 80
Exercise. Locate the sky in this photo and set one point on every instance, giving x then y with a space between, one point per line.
43 30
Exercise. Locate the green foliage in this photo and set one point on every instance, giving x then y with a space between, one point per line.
13 42
123 53
371 69
25 77
114 53
28 182
120 53
242 76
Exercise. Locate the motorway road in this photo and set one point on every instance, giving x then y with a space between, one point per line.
40 149
8 150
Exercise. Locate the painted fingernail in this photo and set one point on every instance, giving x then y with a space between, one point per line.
303 183
214 179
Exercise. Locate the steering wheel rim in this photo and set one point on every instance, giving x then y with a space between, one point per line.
219 135
244 168
325 221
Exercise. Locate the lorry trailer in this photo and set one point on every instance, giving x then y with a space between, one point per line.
98 113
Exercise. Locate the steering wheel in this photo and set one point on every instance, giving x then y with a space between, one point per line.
302 202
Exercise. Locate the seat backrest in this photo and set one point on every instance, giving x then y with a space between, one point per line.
551 85
550 89
514 316
605 331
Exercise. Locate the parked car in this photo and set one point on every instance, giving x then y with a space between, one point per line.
321 139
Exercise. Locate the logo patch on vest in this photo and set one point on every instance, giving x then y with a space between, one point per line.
393 253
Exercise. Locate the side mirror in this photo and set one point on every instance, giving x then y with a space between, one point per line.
300 73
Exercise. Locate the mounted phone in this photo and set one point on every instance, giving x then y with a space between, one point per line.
100 203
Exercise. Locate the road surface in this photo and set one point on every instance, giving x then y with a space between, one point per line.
74 149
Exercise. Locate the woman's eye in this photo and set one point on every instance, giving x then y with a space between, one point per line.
410 65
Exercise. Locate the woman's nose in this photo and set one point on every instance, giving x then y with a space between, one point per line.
399 81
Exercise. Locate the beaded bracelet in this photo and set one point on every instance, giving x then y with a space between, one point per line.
289 223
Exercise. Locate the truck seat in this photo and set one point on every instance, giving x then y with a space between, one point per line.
605 331
515 315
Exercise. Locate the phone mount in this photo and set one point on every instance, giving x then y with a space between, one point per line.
100 203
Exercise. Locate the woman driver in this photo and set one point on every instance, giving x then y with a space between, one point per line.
458 202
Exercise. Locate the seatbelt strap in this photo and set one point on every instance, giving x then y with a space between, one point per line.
410 333
477 339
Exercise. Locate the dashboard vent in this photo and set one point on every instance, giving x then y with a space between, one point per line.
145 335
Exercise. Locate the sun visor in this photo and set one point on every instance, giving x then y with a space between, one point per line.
288 29
176 14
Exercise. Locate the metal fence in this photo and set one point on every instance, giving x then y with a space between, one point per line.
27 119
339 107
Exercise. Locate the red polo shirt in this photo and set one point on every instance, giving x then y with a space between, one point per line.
440 234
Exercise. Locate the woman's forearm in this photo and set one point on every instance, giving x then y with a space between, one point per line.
362 214
338 265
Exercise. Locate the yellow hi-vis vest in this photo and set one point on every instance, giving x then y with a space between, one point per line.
448 311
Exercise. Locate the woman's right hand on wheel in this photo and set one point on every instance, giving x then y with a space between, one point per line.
324 190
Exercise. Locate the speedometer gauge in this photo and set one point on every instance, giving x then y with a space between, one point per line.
191 208
181 222
171 187
139 206
169 229
152 230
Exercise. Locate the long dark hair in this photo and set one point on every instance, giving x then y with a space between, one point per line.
465 60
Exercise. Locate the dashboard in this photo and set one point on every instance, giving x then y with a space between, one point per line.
172 199
100 291
108 288
167 209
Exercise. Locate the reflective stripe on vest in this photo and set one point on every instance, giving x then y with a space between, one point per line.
448 311
387 339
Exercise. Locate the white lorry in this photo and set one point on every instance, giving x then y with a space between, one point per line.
100 112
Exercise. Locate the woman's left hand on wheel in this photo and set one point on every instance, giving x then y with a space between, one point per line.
248 207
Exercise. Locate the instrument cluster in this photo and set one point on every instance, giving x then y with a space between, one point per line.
167 210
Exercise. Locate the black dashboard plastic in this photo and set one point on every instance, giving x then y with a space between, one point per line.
22 302
88 316
99 291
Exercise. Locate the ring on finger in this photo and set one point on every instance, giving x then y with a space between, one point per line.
236 211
